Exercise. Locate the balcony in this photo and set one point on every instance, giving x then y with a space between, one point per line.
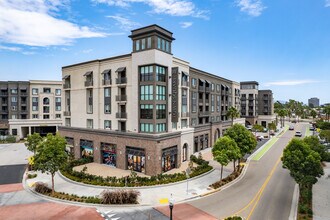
106 82
66 86
207 101
207 89
88 83
201 88
121 115
121 80
4 103
185 114
121 98
200 101
67 113
185 83
23 103
205 113
23 94
4 94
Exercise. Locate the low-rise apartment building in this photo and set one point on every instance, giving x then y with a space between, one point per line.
147 111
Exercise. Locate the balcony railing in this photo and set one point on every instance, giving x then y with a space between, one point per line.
207 89
4 94
122 80
204 113
67 113
200 101
121 98
185 114
66 86
88 83
185 83
201 88
23 94
121 115
106 82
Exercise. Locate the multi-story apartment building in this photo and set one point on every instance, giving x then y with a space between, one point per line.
249 101
314 102
14 103
147 111
31 106
257 106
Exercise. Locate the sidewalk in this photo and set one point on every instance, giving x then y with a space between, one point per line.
321 196
149 195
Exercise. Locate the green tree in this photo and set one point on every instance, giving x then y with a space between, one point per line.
232 114
326 111
51 155
33 141
219 152
282 113
303 163
244 139
272 126
325 134
314 144
231 148
257 127
313 114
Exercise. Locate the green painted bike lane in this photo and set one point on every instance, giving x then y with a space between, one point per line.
268 145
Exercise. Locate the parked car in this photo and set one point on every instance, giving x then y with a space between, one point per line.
271 132
291 127
260 138
298 134
311 128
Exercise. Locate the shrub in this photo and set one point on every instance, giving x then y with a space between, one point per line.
228 179
31 176
234 218
42 188
120 197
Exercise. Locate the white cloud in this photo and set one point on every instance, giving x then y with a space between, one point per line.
251 7
124 23
33 23
290 83
327 3
169 7
87 51
14 49
186 24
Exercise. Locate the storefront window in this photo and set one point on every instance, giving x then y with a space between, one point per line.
109 155
169 158
86 148
135 159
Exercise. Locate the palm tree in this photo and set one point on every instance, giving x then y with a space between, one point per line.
233 113
313 114
282 113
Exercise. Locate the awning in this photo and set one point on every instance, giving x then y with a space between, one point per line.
208 82
66 77
3 88
120 69
185 73
202 80
106 71
88 73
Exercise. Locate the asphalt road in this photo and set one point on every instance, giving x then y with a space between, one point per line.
265 192
12 174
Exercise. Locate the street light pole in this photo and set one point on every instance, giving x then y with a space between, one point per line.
171 205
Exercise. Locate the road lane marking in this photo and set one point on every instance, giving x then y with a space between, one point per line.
258 194
265 149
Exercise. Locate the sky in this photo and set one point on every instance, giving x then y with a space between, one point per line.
282 44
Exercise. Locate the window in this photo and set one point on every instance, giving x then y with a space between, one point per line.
167 47
107 124
193 82
194 102
107 100
146 73
146 111
46 101
147 128
34 108
35 103
212 103
143 44
57 91
218 103
35 91
194 121
57 104
58 116
13 99
218 88
184 101
89 123
46 109
163 45
160 111
14 131
174 125
89 101
160 93
13 116
149 42
160 74
184 123
146 92
47 90
35 116
160 127
13 91
46 116
212 86
137 45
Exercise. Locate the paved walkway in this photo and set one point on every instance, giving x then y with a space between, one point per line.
155 195
321 196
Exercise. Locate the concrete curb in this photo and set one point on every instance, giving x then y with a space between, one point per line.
294 204
141 187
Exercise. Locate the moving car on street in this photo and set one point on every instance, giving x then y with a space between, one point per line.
298 134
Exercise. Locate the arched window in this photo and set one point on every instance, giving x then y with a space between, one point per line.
185 152
46 101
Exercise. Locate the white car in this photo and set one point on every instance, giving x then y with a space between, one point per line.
298 134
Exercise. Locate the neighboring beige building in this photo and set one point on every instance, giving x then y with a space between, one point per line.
147 111
44 110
